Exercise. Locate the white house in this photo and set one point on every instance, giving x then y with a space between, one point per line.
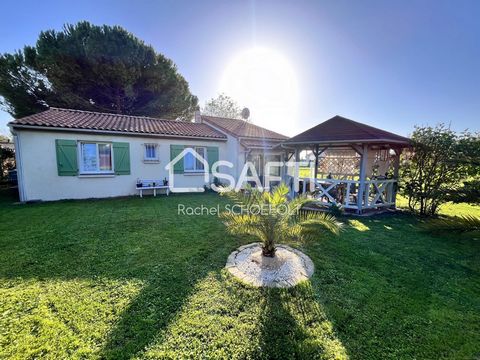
73 154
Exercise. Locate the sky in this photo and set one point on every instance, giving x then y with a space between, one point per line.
389 64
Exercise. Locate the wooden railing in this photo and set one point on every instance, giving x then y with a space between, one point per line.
346 193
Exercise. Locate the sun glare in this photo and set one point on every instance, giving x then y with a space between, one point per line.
265 82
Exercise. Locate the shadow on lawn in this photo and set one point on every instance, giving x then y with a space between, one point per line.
117 239
294 325
224 318
385 291
146 316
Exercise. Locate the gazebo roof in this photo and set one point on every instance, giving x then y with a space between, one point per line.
340 130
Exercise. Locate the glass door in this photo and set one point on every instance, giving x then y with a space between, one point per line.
258 162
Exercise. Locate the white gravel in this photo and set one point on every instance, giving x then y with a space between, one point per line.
287 268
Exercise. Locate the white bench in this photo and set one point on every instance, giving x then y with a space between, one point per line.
152 185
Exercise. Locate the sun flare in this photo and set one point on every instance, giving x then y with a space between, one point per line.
264 81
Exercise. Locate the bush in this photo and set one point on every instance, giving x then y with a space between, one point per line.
433 171
7 162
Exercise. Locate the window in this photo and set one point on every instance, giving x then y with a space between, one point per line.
95 158
191 163
150 152
274 170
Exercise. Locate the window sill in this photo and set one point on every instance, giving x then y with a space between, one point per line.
108 175
152 161
194 173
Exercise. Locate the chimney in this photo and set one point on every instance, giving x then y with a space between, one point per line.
198 117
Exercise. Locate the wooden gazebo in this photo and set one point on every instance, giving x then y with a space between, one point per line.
353 165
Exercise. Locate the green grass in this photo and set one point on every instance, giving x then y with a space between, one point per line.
128 278
448 209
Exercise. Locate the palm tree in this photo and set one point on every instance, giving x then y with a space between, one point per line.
272 218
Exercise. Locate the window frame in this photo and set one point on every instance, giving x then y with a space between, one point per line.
195 170
148 159
275 169
81 171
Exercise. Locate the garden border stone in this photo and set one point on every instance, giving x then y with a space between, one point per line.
287 268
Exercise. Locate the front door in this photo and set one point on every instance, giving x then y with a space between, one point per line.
259 161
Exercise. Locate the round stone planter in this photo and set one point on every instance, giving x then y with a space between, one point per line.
286 269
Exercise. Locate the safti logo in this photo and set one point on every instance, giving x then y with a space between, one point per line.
248 174
170 167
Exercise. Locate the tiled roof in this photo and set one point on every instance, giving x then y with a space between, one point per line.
88 120
242 129
339 129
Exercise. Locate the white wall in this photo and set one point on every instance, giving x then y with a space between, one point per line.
41 180
233 154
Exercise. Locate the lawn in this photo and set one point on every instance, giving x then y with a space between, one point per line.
129 278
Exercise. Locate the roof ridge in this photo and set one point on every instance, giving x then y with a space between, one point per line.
115 114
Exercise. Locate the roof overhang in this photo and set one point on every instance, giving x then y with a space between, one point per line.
260 143
338 143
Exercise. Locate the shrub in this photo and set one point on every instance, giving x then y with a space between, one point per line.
435 168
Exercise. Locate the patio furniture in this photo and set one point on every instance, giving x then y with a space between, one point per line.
151 185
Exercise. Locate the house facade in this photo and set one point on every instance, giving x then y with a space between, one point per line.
247 142
73 154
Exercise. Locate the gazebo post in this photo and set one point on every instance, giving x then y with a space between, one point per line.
363 171
284 171
284 159
396 168
396 163
297 172
317 154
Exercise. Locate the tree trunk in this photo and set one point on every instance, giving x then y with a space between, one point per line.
268 250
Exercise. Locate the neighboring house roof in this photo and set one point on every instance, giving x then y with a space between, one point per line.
242 129
342 130
96 121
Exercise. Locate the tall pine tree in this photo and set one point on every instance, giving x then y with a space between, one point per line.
97 68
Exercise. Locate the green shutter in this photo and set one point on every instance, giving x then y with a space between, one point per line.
66 157
212 156
121 158
175 150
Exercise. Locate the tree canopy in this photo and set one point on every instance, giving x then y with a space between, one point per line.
97 68
222 106
442 166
